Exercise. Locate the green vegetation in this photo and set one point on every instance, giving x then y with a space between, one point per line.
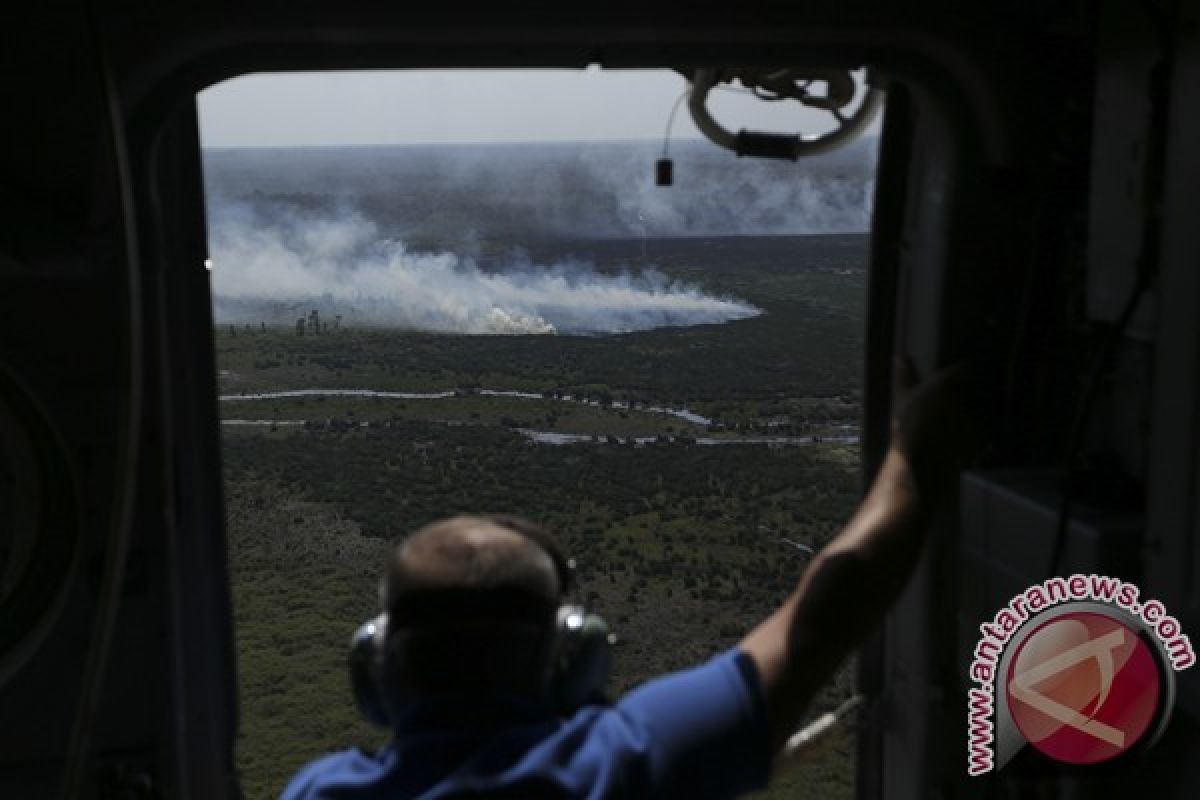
678 544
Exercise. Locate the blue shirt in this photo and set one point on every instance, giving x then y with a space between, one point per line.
700 733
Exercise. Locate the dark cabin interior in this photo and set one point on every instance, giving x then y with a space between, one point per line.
1034 211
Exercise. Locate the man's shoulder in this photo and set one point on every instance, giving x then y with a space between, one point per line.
700 732
345 768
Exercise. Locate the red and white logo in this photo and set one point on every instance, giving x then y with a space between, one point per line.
1081 668
1083 687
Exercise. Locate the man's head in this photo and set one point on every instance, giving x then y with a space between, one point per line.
471 604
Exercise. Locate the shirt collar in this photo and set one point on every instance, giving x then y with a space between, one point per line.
464 715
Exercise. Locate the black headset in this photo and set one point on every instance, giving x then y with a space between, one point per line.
579 650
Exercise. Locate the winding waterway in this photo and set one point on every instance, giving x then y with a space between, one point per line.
680 413
850 435
555 437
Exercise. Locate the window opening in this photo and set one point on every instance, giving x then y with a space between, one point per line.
441 292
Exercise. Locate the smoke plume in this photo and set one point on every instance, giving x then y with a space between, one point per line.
343 265
390 235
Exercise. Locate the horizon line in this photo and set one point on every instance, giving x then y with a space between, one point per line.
517 142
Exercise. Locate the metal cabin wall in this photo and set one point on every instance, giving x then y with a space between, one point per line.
65 332
1173 544
966 216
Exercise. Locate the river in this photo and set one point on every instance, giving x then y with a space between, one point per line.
849 435
679 413
558 437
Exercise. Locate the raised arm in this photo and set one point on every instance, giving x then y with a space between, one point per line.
850 584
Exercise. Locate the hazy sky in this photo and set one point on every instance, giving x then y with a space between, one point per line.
404 107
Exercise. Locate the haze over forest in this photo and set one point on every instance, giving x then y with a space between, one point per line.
435 237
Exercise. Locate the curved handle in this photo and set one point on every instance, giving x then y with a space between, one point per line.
776 145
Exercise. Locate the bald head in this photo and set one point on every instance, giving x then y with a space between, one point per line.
473 651
468 552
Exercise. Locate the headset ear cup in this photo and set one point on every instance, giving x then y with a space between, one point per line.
366 670
581 659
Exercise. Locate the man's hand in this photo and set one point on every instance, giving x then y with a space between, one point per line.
931 426
853 581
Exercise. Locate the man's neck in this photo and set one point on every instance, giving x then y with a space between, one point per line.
465 713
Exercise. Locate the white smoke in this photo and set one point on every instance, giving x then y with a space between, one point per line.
275 269
556 190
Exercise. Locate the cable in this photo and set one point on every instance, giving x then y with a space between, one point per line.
1079 427
121 530
679 100
671 119
1147 265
